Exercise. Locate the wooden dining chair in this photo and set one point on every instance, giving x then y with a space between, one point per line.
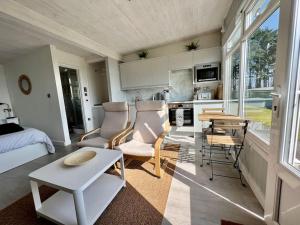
213 110
232 140
207 130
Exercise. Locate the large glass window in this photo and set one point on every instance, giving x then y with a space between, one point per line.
259 79
294 157
235 82
235 37
257 9
291 153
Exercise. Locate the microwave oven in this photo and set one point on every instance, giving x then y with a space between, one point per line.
207 72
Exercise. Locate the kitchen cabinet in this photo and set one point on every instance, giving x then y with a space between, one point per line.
207 55
182 60
198 108
152 72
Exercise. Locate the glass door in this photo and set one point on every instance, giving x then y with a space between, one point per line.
72 100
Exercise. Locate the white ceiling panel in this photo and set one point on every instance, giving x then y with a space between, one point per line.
126 26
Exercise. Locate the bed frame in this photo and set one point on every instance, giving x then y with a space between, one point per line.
20 156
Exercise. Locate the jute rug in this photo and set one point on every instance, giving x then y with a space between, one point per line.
143 201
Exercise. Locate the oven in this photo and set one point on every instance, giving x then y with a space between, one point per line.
188 113
207 72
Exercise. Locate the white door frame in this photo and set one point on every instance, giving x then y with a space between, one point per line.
277 173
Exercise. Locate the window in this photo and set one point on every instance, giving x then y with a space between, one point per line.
255 10
291 150
292 145
235 82
235 37
259 78
294 157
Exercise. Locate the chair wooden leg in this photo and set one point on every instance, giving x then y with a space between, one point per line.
157 167
127 162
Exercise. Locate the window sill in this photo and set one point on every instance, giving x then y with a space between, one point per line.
289 174
259 144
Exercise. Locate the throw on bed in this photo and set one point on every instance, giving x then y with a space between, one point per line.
29 136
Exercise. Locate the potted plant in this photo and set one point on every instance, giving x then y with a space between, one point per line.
192 45
143 54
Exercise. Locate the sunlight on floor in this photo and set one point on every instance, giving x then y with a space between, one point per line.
219 195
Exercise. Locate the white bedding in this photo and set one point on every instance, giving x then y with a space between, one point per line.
29 136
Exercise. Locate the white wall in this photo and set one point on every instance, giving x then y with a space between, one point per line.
98 83
208 40
36 110
114 82
65 59
4 96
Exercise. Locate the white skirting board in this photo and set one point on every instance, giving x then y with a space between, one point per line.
20 156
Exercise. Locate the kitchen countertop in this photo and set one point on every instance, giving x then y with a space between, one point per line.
208 100
190 102
197 101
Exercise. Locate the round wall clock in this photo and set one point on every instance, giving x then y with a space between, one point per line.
24 84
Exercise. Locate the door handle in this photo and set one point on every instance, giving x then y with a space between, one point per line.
273 94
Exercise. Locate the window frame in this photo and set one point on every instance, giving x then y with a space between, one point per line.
243 45
292 102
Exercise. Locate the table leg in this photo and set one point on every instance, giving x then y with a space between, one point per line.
123 169
35 195
80 208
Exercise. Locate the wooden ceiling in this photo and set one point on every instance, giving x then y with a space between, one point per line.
126 26
15 40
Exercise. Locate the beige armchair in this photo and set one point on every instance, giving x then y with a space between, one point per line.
114 125
150 128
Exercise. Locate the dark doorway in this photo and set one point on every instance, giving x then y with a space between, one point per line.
72 99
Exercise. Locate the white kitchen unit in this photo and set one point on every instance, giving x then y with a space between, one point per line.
207 55
198 108
180 61
152 72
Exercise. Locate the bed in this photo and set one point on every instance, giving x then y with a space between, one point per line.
24 146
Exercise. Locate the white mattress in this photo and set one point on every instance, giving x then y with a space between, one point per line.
29 136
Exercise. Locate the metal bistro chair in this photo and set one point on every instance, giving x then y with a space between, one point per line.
207 130
227 141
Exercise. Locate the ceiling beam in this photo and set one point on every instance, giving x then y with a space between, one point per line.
32 20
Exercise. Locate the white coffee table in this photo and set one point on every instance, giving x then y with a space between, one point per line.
84 191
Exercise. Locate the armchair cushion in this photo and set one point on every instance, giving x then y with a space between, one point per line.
150 121
115 106
136 148
97 142
115 120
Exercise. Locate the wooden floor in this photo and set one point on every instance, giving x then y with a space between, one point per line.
193 199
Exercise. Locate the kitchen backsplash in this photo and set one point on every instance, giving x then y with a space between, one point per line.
144 94
181 85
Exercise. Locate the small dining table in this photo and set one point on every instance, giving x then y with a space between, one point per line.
218 116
